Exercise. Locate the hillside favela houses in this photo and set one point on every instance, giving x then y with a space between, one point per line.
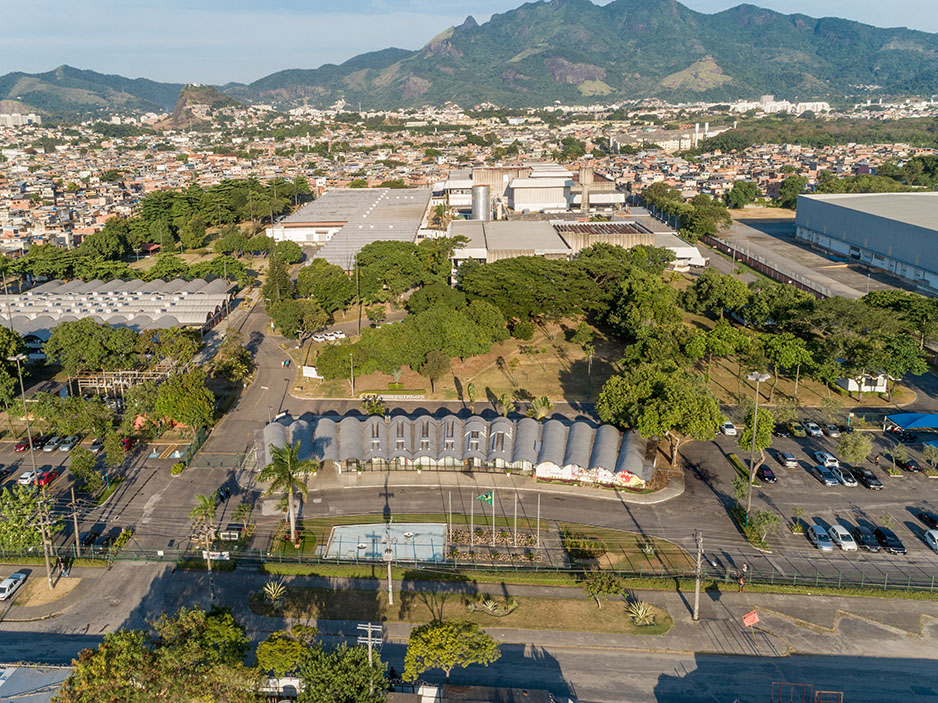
576 451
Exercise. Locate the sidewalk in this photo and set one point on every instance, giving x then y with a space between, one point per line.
457 480
89 575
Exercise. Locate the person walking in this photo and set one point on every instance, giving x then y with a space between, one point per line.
742 584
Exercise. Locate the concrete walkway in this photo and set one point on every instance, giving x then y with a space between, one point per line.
329 480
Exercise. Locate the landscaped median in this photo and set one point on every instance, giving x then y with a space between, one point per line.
523 612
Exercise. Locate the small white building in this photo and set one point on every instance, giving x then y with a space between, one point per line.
867 383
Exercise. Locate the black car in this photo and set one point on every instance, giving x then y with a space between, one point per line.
903 436
88 538
781 430
889 541
866 477
908 464
928 517
865 539
765 474
105 542
5 471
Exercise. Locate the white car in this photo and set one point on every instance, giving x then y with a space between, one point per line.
813 429
818 536
10 584
339 334
27 478
931 539
845 477
319 338
826 459
832 431
842 538
728 428
329 336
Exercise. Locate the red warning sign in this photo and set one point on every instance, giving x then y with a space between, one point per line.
750 618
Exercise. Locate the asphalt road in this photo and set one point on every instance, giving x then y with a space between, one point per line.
617 676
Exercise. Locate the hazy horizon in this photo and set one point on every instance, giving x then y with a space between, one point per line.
220 42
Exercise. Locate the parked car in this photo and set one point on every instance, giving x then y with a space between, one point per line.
931 539
27 478
5 471
728 428
928 517
826 459
52 444
813 429
128 443
69 443
824 475
47 477
908 464
319 338
96 446
797 429
842 538
787 459
889 541
843 476
781 430
41 440
106 541
865 539
818 536
11 583
903 436
866 477
339 334
832 431
23 444
765 474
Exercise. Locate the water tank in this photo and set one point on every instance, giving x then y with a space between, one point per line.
481 203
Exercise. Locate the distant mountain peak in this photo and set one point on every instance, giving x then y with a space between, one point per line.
469 23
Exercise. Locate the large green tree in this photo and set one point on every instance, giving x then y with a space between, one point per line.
327 284
86 345
661 401
184 399
192 655
446 645
342 675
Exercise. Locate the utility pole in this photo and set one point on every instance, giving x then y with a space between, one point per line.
351 371
74 507
370 629
538 519
388 557
758 378
494 507
267 396
450 515
699 539
516 518
358 296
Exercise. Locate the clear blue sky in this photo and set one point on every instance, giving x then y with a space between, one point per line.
216 41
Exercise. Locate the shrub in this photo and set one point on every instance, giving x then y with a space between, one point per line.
177 468
641 612
580 546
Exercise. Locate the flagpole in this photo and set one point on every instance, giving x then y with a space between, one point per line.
451 516
493 517
472 512
538 519
516 518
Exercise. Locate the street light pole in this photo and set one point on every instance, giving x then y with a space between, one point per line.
32 458
388 557
758 378
267 397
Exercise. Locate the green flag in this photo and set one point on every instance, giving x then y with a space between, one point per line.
486 498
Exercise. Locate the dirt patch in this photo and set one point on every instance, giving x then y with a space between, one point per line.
763 213
36 592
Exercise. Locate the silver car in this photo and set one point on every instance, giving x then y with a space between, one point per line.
11 583
824 475
68 444
52 444
818 536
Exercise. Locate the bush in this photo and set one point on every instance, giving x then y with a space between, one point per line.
581 546
177 468
522 330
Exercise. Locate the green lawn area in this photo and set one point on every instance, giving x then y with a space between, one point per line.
420 607
109 491
628 551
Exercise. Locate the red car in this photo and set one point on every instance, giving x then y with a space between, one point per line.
23 444
128 443
47 477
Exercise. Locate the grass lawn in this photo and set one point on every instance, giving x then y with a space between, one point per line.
109 491
420 607
307 546
628 551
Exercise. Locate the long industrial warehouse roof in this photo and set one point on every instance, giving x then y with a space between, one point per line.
136 304
918 209
369 214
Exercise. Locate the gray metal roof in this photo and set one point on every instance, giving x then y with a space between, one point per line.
511 235
370 215
576 443
133 304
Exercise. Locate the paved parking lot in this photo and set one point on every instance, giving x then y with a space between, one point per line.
825 506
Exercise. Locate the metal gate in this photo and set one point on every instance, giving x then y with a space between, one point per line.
785 692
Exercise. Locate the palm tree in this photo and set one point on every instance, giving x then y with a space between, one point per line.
540 408
204 515
284 475
242 514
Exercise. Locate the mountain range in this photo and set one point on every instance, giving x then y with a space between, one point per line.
570 51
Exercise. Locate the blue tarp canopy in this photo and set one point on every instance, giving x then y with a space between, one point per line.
914 421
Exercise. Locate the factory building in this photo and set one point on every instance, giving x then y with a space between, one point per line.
346 219
137 304
558 450
892 232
